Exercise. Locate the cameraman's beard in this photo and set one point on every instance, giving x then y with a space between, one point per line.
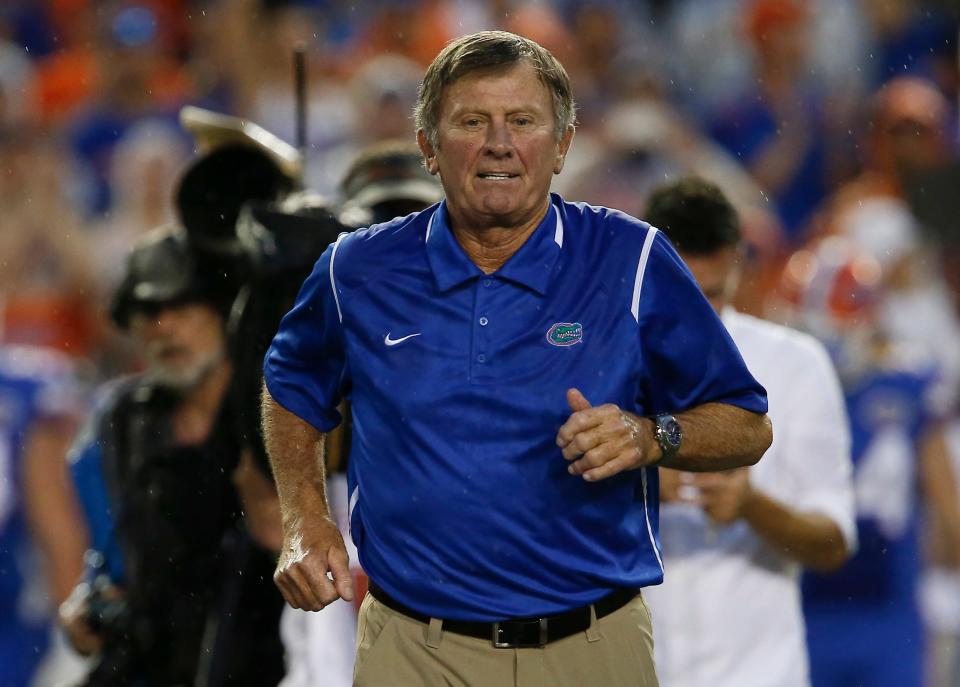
185 378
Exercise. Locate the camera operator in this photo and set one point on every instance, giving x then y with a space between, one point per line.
170 563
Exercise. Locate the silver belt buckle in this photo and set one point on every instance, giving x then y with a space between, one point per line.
498 643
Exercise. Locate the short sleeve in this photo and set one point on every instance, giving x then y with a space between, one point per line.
814 440
688 357
305 364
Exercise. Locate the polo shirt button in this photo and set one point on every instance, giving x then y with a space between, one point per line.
486 283
481 358
484 321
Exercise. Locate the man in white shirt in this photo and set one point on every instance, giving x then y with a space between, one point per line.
734 543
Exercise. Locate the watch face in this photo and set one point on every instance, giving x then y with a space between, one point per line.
671 431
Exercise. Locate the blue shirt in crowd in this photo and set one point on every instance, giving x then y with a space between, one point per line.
871 603
461 503
750 126
36 386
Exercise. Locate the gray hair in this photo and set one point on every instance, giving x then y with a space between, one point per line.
491 50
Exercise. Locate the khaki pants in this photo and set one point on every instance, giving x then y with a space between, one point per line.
396 651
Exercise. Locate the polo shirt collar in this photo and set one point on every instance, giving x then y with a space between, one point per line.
531 266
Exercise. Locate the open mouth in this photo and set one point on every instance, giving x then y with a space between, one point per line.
497 176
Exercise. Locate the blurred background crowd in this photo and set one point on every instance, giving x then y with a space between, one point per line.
817 117
772 98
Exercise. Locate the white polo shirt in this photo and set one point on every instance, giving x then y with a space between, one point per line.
728 613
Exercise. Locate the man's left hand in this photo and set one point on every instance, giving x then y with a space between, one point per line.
722 495
602 441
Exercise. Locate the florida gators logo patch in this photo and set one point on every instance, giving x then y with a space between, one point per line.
565 333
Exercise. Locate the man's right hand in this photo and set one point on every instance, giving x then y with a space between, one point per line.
313 547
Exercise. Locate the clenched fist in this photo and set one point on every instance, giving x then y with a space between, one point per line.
602 441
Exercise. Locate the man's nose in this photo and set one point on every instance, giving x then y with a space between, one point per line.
499 139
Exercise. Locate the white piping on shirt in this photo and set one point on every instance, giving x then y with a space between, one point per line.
641 267
354 498
646 514
333 283
558 235
635 311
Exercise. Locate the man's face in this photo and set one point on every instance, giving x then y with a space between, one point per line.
182 343
716 274
496 148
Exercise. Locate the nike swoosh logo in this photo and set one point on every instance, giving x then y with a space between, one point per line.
393 342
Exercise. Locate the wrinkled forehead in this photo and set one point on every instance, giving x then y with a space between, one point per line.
519 80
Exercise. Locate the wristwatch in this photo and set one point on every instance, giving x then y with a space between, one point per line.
669 435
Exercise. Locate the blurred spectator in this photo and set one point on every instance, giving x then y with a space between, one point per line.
911 38
67 78
863 622
782 127
540 21
713 60
144 167
382 94
614 54
905 133
219 56
734 542
136 77
352 99
41 535
90 35
47 284
645 142
267 88
16 73
415 29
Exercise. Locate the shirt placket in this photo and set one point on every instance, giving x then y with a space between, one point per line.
481 361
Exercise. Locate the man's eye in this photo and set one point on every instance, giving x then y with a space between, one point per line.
473 121
521 121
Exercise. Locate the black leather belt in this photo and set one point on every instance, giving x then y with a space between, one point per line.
520 633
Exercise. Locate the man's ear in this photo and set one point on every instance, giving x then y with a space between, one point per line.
429 155
562 147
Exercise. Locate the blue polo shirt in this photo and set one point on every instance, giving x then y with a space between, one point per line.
461 504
